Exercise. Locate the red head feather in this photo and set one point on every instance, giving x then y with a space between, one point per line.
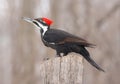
47 21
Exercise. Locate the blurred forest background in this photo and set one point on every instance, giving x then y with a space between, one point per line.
21 49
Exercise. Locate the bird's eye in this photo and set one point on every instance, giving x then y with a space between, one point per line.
40 20
43 22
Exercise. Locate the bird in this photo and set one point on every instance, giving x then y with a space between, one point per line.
62 41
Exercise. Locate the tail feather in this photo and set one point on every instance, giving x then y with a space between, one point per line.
86 55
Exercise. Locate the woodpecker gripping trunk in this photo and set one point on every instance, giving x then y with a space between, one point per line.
61 41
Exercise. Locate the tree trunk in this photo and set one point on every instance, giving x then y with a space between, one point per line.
62 70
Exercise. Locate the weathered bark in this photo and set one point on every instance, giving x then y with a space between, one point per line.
62 70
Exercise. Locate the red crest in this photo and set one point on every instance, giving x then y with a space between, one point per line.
47 21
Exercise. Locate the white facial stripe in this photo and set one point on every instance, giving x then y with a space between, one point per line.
45 28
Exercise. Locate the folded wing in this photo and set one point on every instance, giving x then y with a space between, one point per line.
62 37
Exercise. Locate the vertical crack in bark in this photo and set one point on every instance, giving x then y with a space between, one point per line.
60 70
70 70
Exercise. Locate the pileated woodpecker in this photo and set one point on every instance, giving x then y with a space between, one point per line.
61 41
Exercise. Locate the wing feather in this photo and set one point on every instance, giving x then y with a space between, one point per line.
62 37
78 41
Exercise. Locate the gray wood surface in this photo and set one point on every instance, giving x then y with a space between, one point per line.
62 70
